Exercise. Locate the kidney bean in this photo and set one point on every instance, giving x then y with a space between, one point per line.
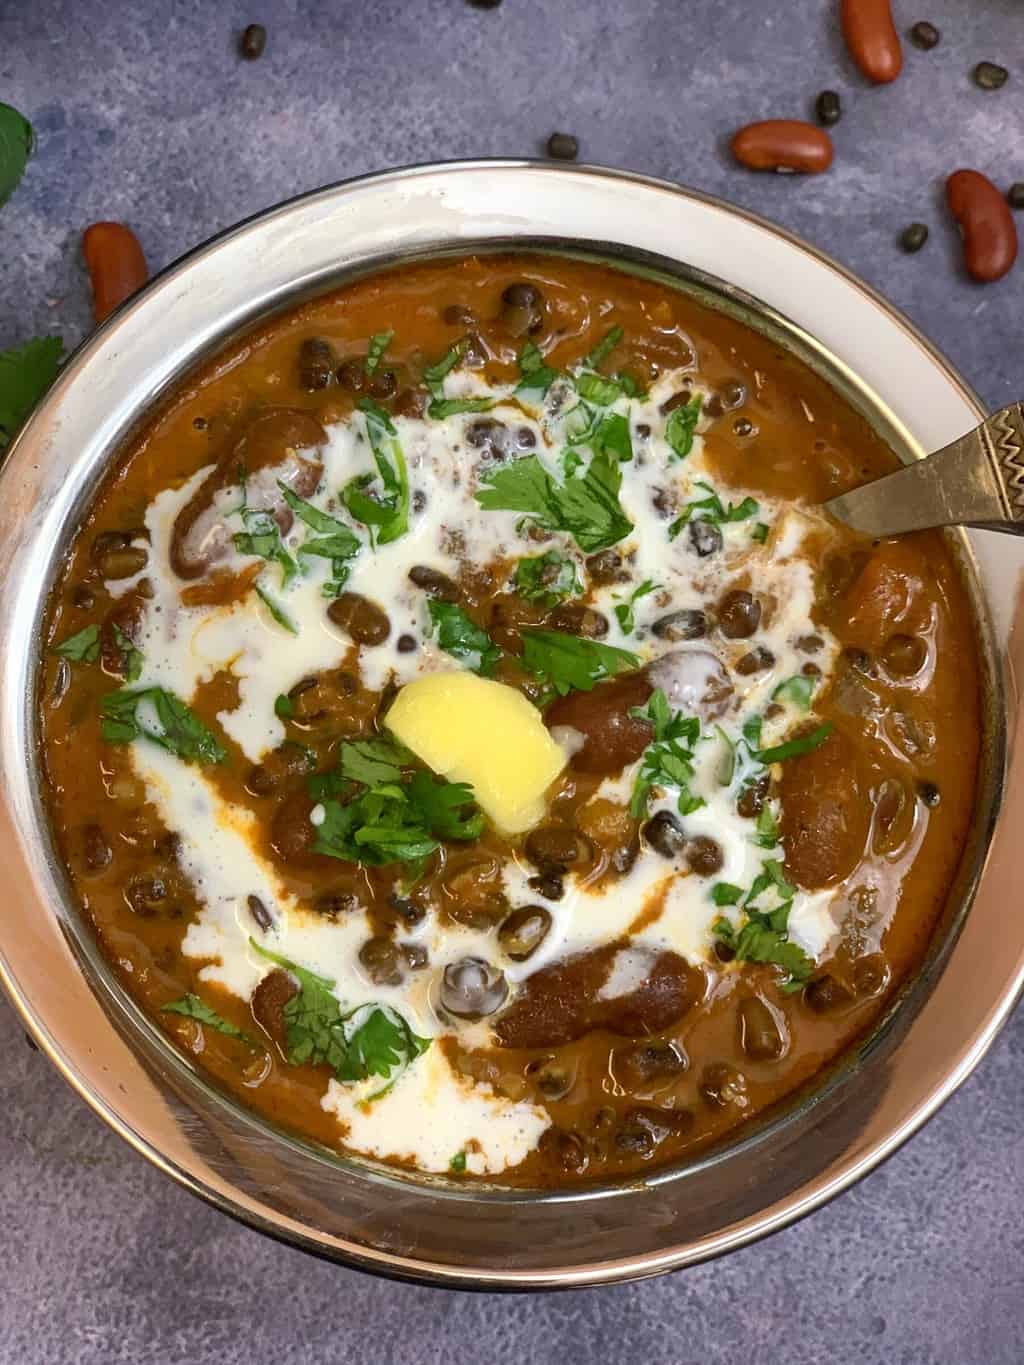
361 619
778 144
871 39
116 265
990 237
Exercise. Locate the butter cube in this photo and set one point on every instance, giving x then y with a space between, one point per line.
473 730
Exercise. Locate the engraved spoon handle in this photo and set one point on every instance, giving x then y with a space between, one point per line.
977 480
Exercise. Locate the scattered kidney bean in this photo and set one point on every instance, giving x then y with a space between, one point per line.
990 237
924 35
563 147
253 42
828 108
871 39
990 76
778 144
913 237
116 265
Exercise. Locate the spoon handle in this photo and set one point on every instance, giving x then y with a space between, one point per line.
977 480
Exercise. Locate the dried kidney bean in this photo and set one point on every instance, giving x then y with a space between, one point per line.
871 39
990 237
117 267
778 144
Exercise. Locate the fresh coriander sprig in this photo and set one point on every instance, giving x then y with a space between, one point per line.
586 506
763 936
461 637
681 426
713 510
565 662
668 759
333 540
625 611
547 579
155 714
386 513
192 1007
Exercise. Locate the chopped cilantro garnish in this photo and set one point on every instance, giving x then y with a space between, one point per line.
712 509
586 506
386 513
594 388
458 1163
726 893
760 532
192 1007
603 349
536 376
763 937
26 372
463 638
379 343
164 720
682 425
794 748
441 408
16 142
276 610
334 540
624 610
565 662
374 762
668 759
262 537
132 659
81 648
767 828
371 1040
284 707
547 579
799 690
435 375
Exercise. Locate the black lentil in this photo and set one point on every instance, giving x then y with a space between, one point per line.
253 42
563 147
828 108
1015 195
914 236
925 35
990 76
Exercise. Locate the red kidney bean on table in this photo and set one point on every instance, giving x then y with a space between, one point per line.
871 39
783 145
985 220
117 267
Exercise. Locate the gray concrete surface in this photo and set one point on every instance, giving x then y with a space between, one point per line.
144 113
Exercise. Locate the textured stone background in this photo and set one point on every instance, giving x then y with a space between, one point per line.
144 113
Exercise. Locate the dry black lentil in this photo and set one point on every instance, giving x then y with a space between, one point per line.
563 147
828 108
990 76
925 35
253 42
484 4
913 238
1015 195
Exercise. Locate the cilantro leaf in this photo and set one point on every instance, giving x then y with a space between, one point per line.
799 690
276 610
379 343
565 662
334 540
458 1163
371 1040
16 144
726 893
603 349
441 408
443 806
760 532
682 426
81 648
594 388
374 762
547 579
763 936
284 707
586 506
192 1007
535 374
262 538
26 372
462 638
385 513
713 510
624 610
793 748
767 827
164 720
132 659
435 375
668 759
612 435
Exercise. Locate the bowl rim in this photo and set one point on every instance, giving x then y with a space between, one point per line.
576 1274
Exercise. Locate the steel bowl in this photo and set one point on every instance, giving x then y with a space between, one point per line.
351 1209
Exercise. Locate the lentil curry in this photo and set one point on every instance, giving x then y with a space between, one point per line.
474 748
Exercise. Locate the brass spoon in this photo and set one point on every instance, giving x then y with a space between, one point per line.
977 480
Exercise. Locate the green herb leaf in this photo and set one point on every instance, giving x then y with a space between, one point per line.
165 720
566 662
763 937
448 808
547 579
586 506
713 510
379 343
276 610
760 532
441 408
16 143
262 537
767 827
612 436
132 659
631 387
725 893
682 425
284 707
81 648
334 540
386 513
193 1008
624 610
668 759
435 375
794 748
535 374
26 372
594 388
727 768
799 690
462 638
603 349
458 1163
371 1040
374 762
